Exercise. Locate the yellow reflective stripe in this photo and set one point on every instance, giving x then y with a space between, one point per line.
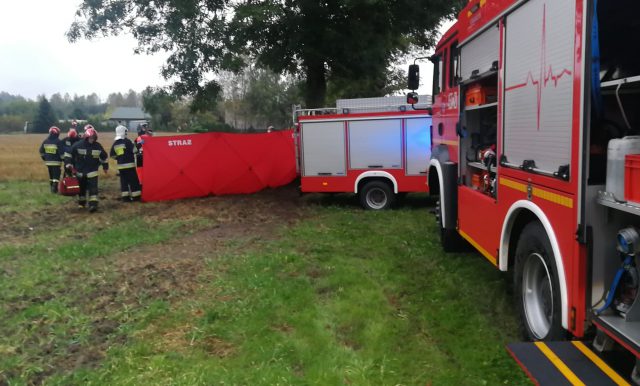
119 149
559 364
553 197
126 166
513 185
617 379
477 246
538 192
93 198
124 194
53 163
51 149
445 142
82 151
66 155
92 174
136 194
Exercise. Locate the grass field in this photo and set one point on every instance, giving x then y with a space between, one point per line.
268 289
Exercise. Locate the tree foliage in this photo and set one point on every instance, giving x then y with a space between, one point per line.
45 117
337 42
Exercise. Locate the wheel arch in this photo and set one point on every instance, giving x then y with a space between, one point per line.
433 178
375 175
519 215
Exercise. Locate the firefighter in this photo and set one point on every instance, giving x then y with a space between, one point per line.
52 152
124 151
70 140
143 133
87 156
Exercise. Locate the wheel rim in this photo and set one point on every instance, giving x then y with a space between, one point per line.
376 198
537 295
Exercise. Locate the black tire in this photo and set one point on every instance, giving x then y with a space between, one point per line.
376 195
537 287
450 240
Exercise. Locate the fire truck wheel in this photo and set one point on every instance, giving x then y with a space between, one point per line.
450 240
537 289
376 195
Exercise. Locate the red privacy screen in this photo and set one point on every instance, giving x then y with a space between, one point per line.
216 164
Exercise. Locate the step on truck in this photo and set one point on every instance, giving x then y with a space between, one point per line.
535 157
377 148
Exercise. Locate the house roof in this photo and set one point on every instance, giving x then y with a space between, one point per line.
129 114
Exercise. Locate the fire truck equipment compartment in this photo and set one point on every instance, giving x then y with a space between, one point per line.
616 152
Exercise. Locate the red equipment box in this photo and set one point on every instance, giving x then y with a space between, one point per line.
632 177
479 95
69 186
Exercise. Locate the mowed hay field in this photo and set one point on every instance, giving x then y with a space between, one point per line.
265 289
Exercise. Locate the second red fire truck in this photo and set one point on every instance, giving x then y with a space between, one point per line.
535 159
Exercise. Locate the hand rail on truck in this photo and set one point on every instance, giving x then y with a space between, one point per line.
299 112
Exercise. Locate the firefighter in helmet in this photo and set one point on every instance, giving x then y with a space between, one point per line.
52 153
70 140
124 152
87 156
144 133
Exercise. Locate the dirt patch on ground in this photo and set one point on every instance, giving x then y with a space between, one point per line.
169 271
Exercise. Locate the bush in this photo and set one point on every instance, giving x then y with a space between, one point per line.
11 123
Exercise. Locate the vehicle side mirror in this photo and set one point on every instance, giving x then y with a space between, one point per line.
412 98
414 77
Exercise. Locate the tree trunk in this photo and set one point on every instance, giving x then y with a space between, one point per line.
316 84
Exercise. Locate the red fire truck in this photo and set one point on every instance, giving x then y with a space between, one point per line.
535 108
377 148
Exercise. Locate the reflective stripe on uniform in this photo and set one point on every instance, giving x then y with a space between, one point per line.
66 155
124 194
119 149
126 166
51 149
82 151
95 153
53 163
136 194
92 174
93 198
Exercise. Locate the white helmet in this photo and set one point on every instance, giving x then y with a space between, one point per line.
121 132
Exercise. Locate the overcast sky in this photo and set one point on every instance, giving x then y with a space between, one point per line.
36 58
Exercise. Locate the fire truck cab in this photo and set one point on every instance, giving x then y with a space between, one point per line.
536 108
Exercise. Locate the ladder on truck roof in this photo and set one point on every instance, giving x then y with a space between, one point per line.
564 363
363 106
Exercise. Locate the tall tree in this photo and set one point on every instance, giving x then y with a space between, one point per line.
339 40
45 117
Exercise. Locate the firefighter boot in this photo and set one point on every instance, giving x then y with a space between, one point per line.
93 206
53 187
82 204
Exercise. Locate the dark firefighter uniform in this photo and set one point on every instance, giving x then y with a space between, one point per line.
87 157
68 144
52 152
124 152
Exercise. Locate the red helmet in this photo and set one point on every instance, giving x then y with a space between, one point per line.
89 131
54 130
72 133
